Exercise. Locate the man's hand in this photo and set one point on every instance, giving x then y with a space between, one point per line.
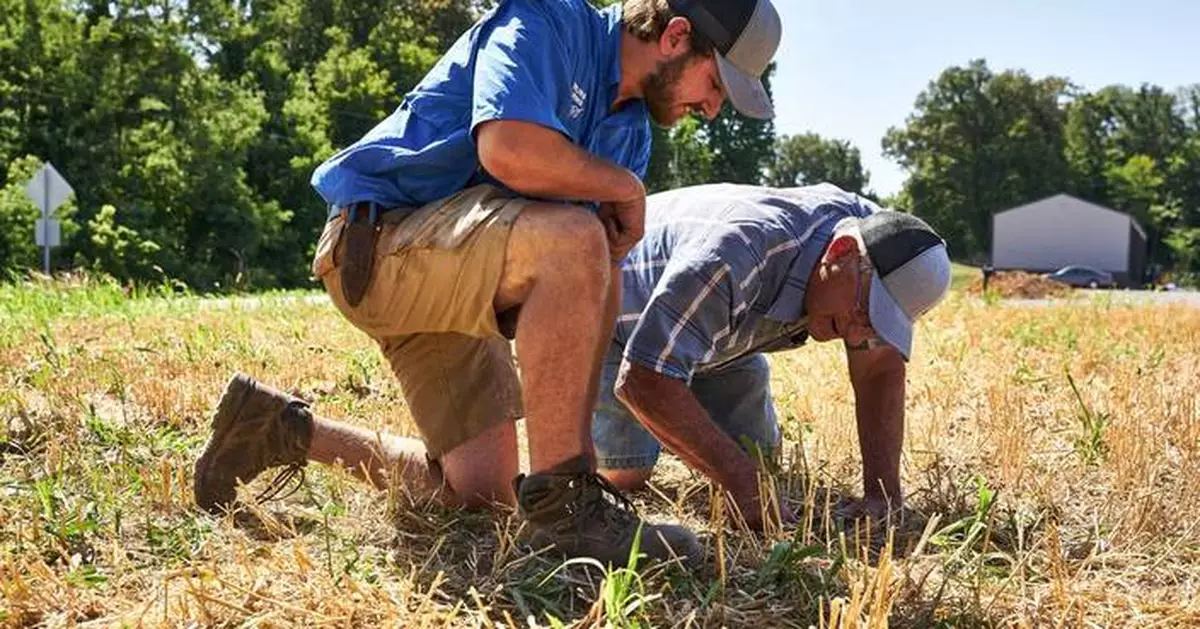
669 410
625 222
749 503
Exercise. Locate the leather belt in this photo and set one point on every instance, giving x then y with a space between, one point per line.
383 215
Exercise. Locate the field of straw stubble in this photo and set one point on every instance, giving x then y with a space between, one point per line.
1051 462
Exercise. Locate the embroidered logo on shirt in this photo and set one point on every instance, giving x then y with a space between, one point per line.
578 98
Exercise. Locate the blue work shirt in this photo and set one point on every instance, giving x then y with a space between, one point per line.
722 271
556 63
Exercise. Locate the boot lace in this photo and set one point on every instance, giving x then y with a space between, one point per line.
604 502
290 479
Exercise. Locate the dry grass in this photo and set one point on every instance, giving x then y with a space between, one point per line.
1052 456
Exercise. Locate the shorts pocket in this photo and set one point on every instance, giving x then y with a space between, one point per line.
324 260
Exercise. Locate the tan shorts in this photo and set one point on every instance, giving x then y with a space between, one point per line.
429 306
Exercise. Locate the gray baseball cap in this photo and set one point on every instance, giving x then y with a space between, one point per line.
912 274
746 34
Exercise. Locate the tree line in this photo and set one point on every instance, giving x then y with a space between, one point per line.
189 131
979 142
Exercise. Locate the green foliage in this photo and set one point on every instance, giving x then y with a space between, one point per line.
979 143
809 159
680 157
1090 444
120 251
965 533
190 131
1139 151
623 593
741 147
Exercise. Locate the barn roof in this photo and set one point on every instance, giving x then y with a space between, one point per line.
1077 201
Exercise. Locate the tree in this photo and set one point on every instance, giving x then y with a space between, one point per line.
741 147
979 143
1138 151
679 157
328 71
810 159
190 130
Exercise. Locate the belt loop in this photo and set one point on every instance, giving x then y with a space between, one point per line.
373 213
351 213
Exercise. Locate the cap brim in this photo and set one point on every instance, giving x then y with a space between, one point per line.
745 91
888 319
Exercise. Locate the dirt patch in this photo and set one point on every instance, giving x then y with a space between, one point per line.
1021 285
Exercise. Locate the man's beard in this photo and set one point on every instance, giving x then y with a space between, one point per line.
658 89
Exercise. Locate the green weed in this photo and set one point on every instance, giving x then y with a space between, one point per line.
1090 444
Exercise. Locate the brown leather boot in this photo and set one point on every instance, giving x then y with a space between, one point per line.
255 427
582 514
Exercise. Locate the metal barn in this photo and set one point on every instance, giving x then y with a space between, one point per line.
1060 230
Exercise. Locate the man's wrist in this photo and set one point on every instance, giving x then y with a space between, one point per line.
743 484
632 188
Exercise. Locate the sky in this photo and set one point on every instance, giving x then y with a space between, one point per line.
850 69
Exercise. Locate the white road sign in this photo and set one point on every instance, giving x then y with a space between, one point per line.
48 189
48 233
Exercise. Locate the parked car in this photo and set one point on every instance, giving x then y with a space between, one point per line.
1081 276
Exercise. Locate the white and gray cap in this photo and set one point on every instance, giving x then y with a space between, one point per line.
746 34
912 273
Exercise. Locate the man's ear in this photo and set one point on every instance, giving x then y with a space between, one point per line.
676 38
842 246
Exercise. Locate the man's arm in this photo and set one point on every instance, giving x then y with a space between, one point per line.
540 162
521 84
667 408
878 374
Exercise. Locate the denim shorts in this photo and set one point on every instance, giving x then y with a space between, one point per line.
737 398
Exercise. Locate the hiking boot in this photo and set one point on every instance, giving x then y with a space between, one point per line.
583 515
255 427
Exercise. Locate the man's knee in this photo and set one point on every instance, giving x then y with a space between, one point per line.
479 472
569 234
554 243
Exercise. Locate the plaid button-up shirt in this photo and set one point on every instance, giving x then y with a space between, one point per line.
721 273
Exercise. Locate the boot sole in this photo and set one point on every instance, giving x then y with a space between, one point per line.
228 410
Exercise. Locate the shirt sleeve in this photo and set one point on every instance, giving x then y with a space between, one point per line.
641 160
697 303
521 68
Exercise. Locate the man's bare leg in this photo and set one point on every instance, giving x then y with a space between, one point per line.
475 474
612 308
557 269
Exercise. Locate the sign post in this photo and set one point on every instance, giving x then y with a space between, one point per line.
48 189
